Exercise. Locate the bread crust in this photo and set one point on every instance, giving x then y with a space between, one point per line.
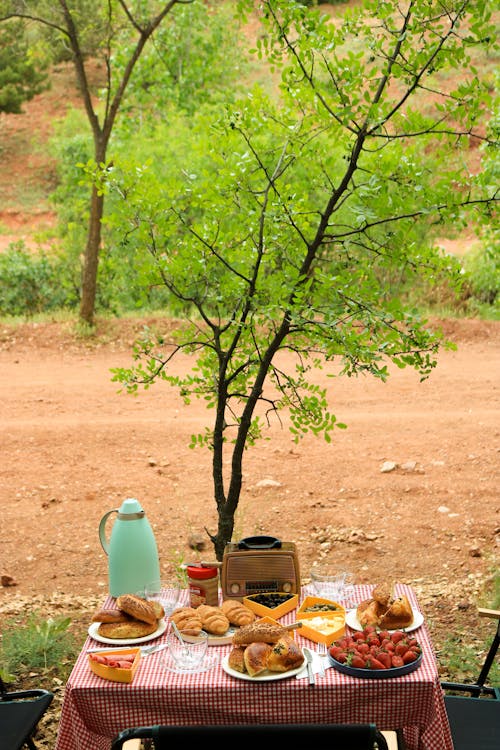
236 659
187 620
213 619
139 609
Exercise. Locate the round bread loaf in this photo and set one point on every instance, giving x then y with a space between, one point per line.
131 629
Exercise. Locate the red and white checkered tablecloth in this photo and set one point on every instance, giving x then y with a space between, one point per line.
95 710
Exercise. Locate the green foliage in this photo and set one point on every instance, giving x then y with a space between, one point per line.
35 644
22 69
34 282
482 273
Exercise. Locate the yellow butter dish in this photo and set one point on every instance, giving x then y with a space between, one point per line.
117 666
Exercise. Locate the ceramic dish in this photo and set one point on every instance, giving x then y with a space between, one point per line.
352 621
209 662
265 677
375 674
92 631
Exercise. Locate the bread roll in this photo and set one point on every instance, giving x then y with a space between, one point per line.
258 632
236 659
256 657
213 619
237 613
131 629
285 655
110 615
138 608
399 615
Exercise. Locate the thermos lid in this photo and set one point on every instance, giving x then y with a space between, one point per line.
131 505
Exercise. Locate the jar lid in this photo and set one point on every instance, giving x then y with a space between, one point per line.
200 573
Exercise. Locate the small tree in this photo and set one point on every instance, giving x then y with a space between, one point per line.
286 228
100 30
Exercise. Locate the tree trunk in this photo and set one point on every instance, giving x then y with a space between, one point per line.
91 258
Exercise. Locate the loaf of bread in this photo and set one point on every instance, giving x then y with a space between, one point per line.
131 629
285 655
237 613
187 620
258 632
138 608
213 619
110 615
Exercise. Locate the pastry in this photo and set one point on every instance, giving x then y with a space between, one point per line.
263 632
131 629
213 619
256 656
237 613
285 655
187 620
138 608
399 615
236 658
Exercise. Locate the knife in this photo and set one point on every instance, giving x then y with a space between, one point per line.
309 659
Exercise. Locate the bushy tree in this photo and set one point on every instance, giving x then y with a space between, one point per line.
285 228
22 72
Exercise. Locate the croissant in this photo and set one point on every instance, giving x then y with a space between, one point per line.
237 613
187 620
213 619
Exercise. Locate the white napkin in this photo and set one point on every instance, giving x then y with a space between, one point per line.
318 662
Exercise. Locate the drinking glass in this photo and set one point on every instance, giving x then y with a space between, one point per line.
166 592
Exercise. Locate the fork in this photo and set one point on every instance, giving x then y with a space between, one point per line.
322 651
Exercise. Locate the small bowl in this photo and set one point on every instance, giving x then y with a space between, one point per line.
333 586
98 665
187 656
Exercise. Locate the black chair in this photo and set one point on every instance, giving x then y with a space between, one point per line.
474 708
341 736
20 713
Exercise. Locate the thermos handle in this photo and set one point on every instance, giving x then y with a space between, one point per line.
102 530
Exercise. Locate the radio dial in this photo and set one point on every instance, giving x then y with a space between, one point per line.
235 587
287 587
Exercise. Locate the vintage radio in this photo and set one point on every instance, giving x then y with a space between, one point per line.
259 563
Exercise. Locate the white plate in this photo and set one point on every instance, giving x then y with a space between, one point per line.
210 661
126 641
264 677
351 619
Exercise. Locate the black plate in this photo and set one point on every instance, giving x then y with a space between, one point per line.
376 674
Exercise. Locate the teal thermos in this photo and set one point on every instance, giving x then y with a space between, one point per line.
132 552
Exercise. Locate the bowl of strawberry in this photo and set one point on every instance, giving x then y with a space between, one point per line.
376 654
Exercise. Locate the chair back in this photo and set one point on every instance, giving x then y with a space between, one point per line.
20 713
341 736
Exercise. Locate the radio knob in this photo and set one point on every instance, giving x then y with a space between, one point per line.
287 587
235 587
